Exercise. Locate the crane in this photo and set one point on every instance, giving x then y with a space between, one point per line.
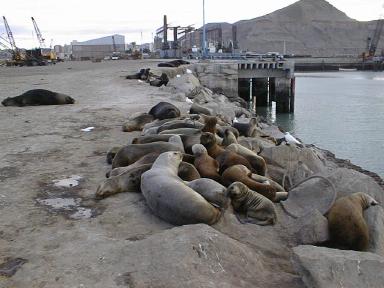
38 34
11 40
376 37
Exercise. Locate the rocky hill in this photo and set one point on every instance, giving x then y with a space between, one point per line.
312 27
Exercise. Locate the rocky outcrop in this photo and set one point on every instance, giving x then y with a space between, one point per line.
327 268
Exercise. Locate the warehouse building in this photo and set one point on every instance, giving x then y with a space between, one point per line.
98 48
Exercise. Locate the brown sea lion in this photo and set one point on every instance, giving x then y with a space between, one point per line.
188 172
205 164
346 223
137 122
36 97
253 204
170 198
224 157
221 130
257 162
184 131
236 174
210 125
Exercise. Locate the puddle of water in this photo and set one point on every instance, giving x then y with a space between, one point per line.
82 213
69 182
60 203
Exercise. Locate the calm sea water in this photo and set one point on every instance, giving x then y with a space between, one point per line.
342 112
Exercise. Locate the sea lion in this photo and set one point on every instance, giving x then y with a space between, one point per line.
173 63
205 164
127 181
257 162
210 125
111 153
146 159
208 140
176 139
175 124
132 152
159 81
346 223
170 198
38 97
225 158
253 204
246 129
188 172
184 131
199 109
263 179
213 192
137 122
151 138
221 130
229 138
254 144
236 174
143 74
164 110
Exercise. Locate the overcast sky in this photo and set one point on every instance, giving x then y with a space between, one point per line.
64 21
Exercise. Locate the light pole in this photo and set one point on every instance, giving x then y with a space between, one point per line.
204 33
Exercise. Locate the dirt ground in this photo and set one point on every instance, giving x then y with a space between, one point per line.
67 238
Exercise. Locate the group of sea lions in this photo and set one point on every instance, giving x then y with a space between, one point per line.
152 79
191 167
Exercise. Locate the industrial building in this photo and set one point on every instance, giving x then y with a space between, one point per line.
98 48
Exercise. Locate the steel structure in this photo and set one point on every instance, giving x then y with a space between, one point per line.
376 37
11 41
38 34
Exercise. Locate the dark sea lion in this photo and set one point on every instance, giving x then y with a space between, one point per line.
137 122
160 81
246 129
253 204
38 97
170 198
151 138
205 164
347 226
199 109
164 110
236 174
143 74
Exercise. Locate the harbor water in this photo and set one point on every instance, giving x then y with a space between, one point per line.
342 112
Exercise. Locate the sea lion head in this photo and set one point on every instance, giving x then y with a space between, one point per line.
170 159
198 150
236 190
69 100
366 200
253 121
9 102
207 139
176 140
135 140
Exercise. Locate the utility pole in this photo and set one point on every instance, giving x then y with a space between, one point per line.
204 32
